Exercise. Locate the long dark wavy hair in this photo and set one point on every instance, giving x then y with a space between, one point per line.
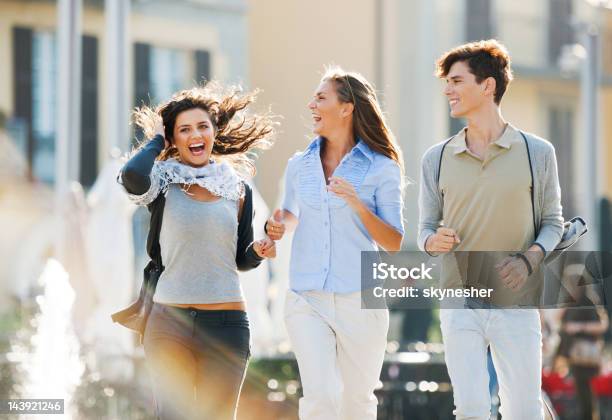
237 134
368 119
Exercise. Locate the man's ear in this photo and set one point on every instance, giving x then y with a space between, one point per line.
490 86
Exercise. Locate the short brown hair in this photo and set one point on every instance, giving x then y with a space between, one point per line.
488 58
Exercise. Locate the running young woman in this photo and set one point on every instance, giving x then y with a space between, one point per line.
343 195
197 336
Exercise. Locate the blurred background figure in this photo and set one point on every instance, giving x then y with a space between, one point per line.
110 260
582 328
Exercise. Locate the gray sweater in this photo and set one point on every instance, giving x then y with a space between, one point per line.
546 193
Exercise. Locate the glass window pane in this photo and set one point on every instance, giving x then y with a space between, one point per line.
44 98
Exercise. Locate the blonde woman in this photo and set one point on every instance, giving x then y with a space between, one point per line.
342 196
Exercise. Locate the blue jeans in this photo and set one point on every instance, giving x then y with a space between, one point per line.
197 360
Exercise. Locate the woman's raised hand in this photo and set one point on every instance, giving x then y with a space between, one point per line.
265 248
159 130
275 225
346 191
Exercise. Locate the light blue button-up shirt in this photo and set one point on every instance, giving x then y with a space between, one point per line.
329 238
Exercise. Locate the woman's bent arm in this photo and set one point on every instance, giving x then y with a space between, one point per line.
246 257
383 234
135 174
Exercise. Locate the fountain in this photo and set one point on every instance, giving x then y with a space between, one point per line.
52 369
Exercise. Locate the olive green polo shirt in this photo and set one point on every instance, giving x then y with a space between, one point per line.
488 203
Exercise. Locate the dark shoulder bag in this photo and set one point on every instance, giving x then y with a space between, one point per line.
135 316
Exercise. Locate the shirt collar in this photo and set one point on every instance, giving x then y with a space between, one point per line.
506 140
315 144
364 149
508 137
458 142
361 146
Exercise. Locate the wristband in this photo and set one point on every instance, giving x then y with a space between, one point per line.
525 260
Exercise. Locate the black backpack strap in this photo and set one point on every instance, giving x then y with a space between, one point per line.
440 161
157 214
535 227
135 316
247 208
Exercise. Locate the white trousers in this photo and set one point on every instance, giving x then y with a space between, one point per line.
516 346
340 350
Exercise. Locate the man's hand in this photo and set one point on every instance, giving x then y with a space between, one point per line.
513 272
275 226
442 241
265 248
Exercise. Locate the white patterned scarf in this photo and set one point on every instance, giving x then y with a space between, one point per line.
219 178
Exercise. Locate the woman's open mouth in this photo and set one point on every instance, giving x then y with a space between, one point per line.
197 149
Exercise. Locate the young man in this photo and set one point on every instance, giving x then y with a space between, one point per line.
490 188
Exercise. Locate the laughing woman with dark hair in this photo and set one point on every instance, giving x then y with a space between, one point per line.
197 336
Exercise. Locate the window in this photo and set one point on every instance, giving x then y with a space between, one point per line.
169 72
560 31
202 62
561 134
20 125
160 72
142 79
478 20
89 112
35 95
44 103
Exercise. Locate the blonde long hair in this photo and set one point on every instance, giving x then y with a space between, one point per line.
368 119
